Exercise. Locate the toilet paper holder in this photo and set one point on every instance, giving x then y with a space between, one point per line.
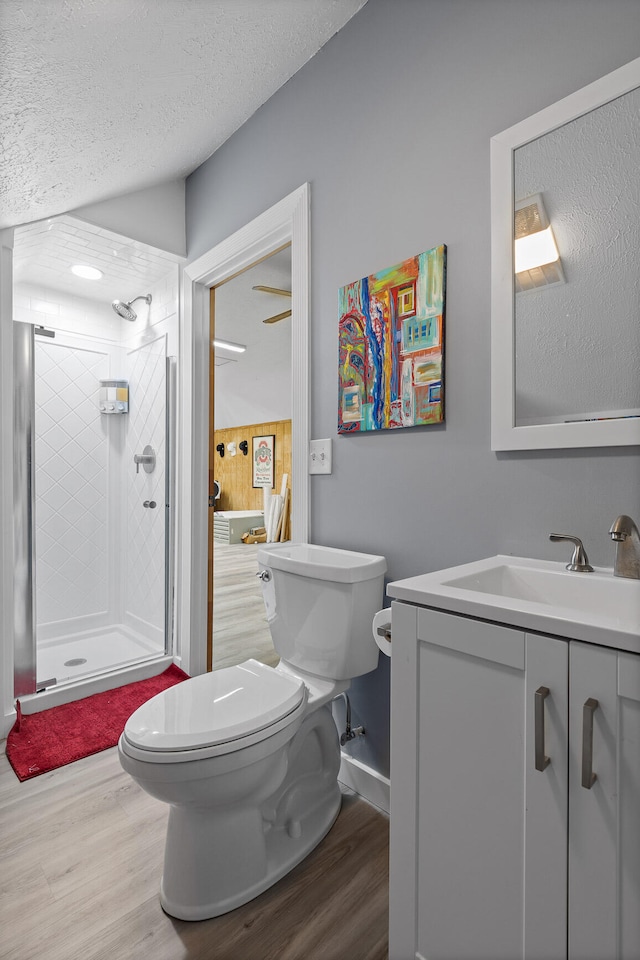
381 631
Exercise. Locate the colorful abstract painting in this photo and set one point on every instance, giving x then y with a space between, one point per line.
392 346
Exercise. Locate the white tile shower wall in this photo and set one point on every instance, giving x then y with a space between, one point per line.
149 340
159 318
144 564
60 311
71 478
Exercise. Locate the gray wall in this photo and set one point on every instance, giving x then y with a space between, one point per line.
155 216
390 123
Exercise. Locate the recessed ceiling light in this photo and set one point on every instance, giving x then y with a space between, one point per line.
87 273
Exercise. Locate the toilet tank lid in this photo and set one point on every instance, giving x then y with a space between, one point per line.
322 563
214 708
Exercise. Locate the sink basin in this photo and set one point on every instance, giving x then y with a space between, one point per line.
536 595
597 594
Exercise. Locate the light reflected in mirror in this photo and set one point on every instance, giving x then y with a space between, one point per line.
577 312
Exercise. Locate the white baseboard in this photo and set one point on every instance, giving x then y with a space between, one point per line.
365 781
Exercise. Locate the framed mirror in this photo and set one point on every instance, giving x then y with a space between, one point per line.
565 263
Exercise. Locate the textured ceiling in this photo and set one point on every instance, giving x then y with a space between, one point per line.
103 97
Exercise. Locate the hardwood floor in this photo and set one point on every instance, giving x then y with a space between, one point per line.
240 627
81 850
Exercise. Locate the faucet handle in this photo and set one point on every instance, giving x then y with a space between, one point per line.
579 560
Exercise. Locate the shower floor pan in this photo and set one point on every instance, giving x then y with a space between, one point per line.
70 658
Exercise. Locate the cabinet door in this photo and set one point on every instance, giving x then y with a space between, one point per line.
403 794
491 861
546 799
604 813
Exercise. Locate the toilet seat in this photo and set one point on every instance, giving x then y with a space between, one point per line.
215 713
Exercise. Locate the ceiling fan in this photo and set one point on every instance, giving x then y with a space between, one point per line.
280 293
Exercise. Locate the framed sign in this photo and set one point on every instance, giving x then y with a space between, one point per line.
263 461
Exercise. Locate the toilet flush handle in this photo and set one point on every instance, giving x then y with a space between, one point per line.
263 575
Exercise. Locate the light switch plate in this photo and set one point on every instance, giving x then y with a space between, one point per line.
320 456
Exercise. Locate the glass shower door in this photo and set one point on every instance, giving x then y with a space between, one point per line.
74 459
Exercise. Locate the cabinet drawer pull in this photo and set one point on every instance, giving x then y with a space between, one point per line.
588 776
542 762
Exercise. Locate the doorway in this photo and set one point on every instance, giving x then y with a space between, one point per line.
285 222
251 373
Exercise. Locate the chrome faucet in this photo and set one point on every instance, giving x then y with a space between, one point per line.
626 537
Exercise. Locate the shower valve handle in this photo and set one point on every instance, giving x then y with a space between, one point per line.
139 458
147 458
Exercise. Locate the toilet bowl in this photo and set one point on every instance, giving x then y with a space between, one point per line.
247 757
248 798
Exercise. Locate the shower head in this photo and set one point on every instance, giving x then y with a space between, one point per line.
124 309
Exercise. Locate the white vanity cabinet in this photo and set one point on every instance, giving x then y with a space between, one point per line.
502 845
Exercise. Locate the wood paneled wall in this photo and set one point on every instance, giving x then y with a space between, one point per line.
234 474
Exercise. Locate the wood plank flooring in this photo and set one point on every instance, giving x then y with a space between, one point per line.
81 852
240 627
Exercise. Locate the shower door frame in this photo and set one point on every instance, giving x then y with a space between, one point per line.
24 559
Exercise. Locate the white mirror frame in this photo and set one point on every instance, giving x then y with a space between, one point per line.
505 435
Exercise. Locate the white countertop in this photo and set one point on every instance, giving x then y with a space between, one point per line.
535 595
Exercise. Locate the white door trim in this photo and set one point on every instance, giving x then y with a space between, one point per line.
287 221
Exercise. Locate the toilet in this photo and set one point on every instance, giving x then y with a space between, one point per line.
247 757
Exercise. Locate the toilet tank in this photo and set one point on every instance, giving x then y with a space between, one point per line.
320 603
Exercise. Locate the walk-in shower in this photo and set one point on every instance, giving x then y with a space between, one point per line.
93 572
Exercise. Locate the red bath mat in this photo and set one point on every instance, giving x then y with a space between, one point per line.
40 742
